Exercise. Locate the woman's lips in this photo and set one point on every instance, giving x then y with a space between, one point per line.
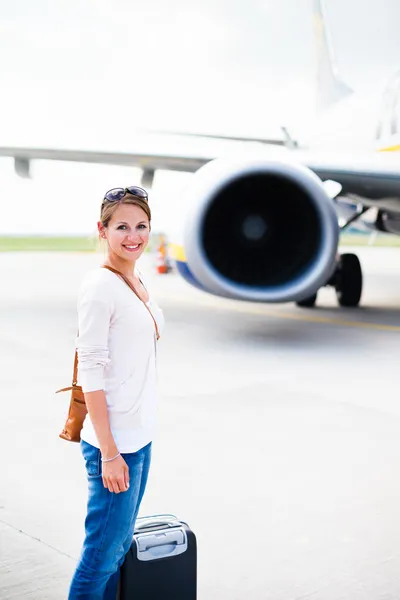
132 247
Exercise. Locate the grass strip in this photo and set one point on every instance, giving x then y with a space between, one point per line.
48 244
91 244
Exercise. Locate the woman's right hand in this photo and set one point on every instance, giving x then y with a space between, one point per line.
116 475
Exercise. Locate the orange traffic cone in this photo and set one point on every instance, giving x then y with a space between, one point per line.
161 256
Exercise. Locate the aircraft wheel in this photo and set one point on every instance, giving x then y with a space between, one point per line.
348 280
308 302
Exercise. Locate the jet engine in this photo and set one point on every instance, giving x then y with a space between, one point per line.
260 230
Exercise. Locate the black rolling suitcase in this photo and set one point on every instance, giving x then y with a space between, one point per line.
161 563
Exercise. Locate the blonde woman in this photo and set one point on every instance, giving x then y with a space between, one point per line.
116 348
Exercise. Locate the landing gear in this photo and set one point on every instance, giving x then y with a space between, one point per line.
347 280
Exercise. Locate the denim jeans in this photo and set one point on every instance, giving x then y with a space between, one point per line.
109 526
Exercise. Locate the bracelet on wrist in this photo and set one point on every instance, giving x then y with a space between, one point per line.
104 460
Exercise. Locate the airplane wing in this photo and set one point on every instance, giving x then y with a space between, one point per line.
146 161
373 180
284 140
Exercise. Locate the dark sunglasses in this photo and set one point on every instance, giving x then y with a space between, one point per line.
118 193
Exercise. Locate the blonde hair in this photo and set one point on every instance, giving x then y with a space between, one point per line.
109 208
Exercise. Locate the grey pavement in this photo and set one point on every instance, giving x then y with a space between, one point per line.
30 568
278 439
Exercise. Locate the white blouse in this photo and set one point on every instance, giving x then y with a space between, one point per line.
116 349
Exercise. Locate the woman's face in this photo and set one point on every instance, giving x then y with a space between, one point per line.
127 233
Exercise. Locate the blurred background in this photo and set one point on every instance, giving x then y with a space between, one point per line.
95 74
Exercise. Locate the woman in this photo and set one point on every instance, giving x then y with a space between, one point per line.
116 348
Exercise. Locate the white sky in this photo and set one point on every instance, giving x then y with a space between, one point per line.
90 73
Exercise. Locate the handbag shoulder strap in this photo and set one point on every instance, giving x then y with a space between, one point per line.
129 283
74 376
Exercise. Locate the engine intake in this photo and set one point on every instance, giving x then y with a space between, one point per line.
260 230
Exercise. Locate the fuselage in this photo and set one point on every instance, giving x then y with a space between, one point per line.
363 122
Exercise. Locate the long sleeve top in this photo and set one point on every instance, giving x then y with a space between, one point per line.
116 348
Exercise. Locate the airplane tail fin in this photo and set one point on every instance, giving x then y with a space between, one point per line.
330 88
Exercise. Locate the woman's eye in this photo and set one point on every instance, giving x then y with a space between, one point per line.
142 226
122 227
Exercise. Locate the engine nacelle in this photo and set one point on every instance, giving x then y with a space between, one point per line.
260 230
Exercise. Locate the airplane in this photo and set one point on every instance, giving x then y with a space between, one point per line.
264 216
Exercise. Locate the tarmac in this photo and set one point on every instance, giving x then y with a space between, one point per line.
278 437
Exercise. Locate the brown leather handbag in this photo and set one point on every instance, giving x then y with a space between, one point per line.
77 406
77 409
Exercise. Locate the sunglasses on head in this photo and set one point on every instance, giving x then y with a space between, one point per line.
118 193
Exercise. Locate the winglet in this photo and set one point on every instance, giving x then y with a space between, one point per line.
330 88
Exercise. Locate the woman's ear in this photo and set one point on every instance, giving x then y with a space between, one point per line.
101 229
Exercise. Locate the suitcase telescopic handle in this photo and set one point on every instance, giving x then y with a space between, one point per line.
156 521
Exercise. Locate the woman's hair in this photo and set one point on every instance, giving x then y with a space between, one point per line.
109 208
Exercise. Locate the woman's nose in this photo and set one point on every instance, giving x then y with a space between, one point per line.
133 238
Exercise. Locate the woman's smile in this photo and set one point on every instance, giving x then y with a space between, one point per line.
132 247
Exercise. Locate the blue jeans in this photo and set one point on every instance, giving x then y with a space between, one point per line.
109 526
